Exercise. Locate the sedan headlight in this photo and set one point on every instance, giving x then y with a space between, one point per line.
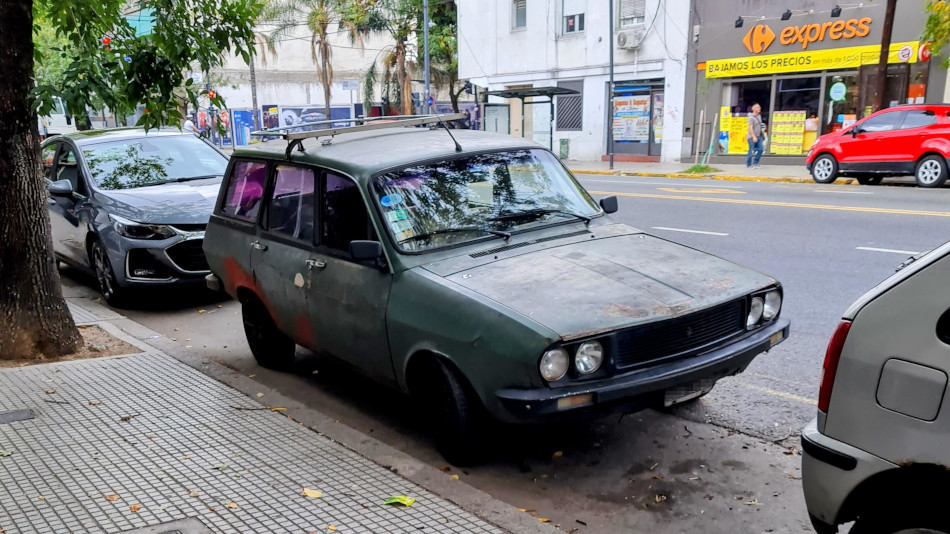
588 358
773 303
134 230
554 364
755 312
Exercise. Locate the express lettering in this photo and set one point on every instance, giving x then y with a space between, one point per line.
839 29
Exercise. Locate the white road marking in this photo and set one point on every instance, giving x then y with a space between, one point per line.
892 251
843 192
637 182
688 231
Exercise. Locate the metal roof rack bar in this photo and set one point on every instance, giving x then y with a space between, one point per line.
369 123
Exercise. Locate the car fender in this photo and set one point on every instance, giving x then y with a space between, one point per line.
939 145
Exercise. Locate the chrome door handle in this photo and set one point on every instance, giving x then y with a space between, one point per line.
315 264
259 246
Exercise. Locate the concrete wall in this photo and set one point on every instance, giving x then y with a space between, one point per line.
493 55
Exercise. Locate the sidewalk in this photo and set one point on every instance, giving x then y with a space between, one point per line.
730 171
148 443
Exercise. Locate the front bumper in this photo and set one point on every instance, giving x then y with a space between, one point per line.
641 388
831 470
144 263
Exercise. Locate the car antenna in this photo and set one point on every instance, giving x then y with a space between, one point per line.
458 147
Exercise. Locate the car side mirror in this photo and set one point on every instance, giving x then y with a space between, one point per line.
856 131
609 204
60 188
366 251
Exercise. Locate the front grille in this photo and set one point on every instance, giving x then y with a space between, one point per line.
679 336
188 255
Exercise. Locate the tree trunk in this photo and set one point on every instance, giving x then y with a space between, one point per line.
257 125
881 82
325 59
33 313
405 83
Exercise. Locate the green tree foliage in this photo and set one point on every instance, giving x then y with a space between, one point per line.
937 28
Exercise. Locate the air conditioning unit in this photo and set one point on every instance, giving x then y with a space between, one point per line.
629 39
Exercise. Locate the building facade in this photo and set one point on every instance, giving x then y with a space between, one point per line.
810 64
517 44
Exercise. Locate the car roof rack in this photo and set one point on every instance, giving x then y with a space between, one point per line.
294 137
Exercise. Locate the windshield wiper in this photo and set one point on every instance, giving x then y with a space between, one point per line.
537 213
499 233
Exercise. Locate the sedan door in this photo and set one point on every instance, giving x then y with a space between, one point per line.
69 212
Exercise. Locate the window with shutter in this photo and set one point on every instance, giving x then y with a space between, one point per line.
519 14
569 114
632 12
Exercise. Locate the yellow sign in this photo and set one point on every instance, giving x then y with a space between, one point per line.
839 58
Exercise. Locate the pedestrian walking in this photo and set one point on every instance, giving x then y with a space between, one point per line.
189 126
755 137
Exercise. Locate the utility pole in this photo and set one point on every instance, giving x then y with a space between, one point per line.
425 33
610 88
885 51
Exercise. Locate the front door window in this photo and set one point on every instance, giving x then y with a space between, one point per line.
344 213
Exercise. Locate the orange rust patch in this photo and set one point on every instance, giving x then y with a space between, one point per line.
303 332
236 277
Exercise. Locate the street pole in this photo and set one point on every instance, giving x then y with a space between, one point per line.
425 33
610 88
885 51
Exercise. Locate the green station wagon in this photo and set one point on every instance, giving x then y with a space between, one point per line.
472 271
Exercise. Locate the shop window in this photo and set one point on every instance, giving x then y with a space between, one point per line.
574 23
917 89
841 103
884 122
896 86
632 12
519 14
794 121
919 119
570 108
737 101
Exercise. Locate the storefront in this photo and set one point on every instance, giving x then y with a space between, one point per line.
812 74
637 118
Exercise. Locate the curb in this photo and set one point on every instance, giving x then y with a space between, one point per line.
723 177
466 497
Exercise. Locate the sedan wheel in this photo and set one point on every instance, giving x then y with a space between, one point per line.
111 291
931 171
825 169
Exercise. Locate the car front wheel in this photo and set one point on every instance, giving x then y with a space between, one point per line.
453 411
824 170
114 294
270 347
931 171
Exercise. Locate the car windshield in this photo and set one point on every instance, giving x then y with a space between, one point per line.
152 160
485 195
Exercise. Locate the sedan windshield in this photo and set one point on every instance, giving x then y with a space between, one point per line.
479 196
152 160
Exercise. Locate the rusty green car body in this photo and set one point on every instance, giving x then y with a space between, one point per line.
669 320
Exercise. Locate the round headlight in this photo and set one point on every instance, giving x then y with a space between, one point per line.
773 303
755 312
554 364
589 357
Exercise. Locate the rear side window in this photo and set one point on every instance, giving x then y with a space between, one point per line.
245 189
919 119
291 207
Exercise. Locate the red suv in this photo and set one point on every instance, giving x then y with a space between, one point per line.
913 139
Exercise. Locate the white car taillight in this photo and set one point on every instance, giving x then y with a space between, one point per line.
830 367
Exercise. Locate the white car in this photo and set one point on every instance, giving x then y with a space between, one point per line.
879 451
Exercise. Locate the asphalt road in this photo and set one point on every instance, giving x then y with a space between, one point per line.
662 472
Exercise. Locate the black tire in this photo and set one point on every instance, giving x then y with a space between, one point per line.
887 520
824 169
454 412
931 171
270 347
865 179
114 294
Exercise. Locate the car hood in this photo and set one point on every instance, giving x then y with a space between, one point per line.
175 203
598 285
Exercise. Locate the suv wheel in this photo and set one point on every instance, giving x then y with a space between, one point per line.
112 292
911 521
824 170
454 412
931 171
865 179
270 347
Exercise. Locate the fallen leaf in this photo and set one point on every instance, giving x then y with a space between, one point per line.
259 395
42 498
136 507
187 346
312 493
454 477
127 418
316 372
544 520
112 498
94 403
232 504
211 508
522 509
50 391
251 376
193 493
176 330
694 478
221 467
278 409
557 454
753 502
219 305
400 500
445 469
201 311
659 498
4 454
657 477
186 457
331 527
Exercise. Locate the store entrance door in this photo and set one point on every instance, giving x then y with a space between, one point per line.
656 122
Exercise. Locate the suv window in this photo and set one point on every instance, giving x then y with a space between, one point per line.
344 217
291 207
884 122
67 168
245 189
919 119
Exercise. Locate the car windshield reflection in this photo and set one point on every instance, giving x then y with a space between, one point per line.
149 161
479 196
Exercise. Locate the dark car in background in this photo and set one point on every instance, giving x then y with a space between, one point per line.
903 140
131 207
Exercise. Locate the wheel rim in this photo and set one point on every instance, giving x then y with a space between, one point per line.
103 272
823 169
929 171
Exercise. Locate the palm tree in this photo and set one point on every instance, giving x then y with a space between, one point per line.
399 19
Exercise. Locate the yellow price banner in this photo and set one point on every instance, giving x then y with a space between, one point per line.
838 58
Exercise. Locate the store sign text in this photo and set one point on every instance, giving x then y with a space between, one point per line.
840 58
812 33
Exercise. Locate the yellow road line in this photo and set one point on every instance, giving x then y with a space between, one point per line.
700 191
782 204
784 395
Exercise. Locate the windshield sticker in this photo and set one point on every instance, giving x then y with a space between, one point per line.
397 215
400 226
406 235
391 200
